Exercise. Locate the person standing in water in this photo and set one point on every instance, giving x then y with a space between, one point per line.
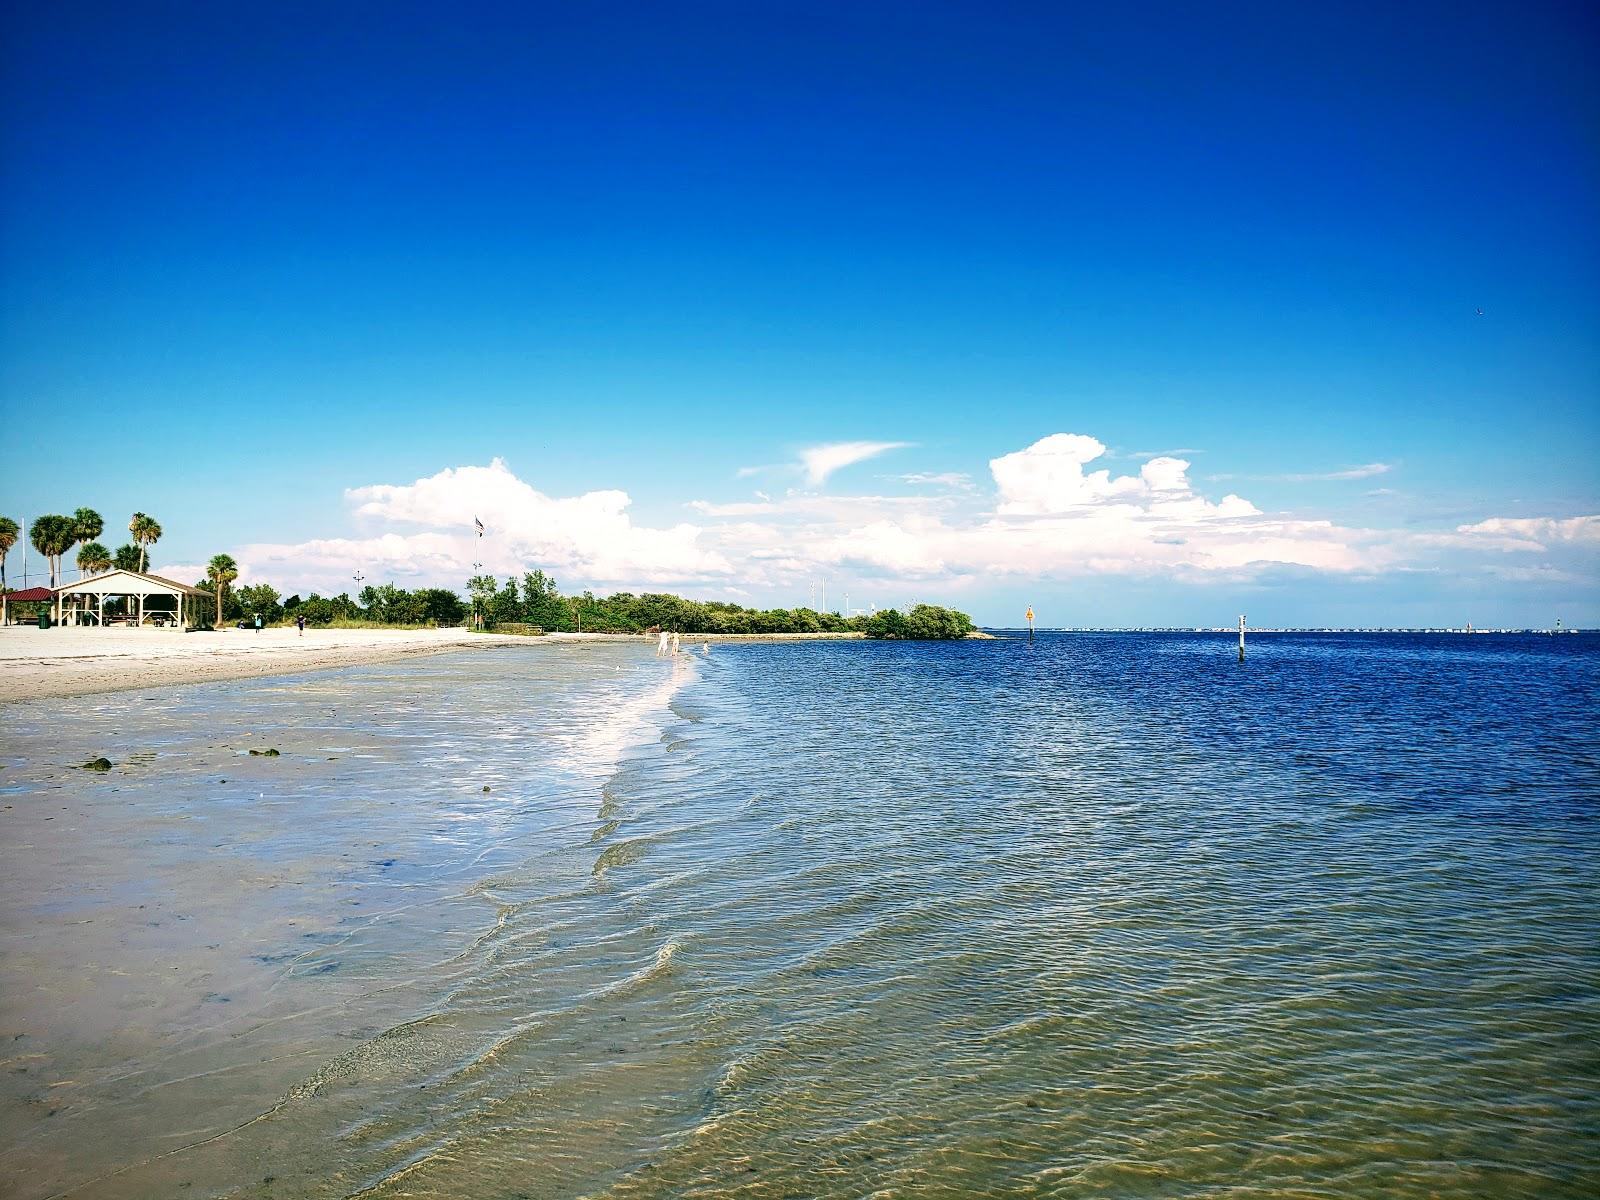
663 643
676 644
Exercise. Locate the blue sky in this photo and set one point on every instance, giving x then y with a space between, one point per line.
252 261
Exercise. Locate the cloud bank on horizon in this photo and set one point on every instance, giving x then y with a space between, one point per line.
1048 515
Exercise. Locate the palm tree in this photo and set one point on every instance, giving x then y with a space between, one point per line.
86 526
8 538
145 532
53 535
221 571
93 559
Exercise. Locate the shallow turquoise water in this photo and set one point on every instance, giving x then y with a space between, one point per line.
1099 915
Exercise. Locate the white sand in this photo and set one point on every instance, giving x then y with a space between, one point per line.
74 661
36 664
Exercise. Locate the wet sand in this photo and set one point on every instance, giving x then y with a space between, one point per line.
190 936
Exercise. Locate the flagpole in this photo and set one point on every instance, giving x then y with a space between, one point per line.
478 566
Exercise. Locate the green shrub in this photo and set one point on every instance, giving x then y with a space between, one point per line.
924 623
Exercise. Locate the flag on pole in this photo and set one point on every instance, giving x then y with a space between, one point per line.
479 524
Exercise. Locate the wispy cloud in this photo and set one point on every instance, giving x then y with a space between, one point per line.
1365 471
819 462
949 479
748 508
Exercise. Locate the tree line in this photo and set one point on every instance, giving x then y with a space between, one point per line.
537 601
383 605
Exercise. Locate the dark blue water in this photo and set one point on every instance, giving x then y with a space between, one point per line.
1097 915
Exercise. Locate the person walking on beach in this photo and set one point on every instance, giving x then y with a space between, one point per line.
300 624
258 622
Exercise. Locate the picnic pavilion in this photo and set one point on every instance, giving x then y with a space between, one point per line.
150 598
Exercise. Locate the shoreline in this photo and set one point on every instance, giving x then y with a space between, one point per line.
66 662
74 661
198 937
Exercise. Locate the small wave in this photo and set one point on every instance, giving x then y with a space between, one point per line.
656 969
601 747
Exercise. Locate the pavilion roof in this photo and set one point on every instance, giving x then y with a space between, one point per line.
95 584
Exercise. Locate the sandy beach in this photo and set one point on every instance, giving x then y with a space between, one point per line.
38 664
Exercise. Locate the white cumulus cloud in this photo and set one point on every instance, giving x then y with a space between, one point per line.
1048 477
589 535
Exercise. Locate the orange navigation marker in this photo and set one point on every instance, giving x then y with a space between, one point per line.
1030 622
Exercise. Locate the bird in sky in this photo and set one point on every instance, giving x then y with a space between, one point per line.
1480 312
